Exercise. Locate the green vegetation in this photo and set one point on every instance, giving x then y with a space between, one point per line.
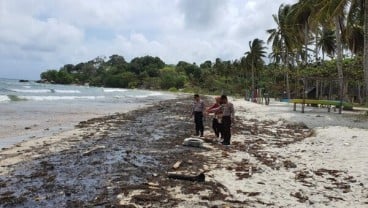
305 34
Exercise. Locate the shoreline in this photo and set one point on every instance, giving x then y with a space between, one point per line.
39 120
123 160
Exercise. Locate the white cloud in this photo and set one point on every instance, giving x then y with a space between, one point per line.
41 34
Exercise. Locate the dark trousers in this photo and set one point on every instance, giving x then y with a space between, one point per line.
198 120
226 129
217 127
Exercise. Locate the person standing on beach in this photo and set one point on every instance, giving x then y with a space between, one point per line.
227 118
217 119
197 110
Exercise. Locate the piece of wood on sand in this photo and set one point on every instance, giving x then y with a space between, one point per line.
92 150
199 178
177 164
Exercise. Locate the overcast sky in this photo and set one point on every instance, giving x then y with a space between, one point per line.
36 35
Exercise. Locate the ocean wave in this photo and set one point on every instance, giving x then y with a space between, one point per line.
67 91
155 94
114 90
35 91
140 96
31 91
4 99
51 98
4 90
8 98
148 95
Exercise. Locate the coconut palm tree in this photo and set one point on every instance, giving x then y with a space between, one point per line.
283 39
334 10
365 49
354 33
327 42
357 34
301 16
254 56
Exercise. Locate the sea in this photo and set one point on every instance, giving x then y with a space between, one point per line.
30 110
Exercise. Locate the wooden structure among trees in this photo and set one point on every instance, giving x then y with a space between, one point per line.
322 92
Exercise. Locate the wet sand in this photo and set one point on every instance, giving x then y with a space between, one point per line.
123 160
27 120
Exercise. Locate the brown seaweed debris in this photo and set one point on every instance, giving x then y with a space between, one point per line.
322 171
288 164
302 175
300 196
198 178
8 199
334 198
248 193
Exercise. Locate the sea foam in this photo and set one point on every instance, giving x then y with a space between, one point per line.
114 90
31 91
50 98
67 91
4 99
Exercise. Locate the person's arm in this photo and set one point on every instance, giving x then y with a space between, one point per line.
212 107
192 113
215 109
232 112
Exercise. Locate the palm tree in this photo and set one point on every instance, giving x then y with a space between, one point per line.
354 32
327 42
335 10
365 56
357 31
295 23
283 39
254 56
301 14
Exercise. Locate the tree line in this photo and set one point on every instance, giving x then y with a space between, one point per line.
316 43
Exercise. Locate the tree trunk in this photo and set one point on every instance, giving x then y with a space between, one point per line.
322 91
365 62
329 91
346 90
316 48
287 76
287 85
306 37
253 87
360 93
317 89
339 59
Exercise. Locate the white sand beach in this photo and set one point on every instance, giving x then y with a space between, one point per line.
331 166
278 158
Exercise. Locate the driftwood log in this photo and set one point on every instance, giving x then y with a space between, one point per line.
199 178
93 150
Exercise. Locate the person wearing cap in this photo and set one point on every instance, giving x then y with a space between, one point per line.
227 118
197 111
228 115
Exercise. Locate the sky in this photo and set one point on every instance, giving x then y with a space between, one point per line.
37 35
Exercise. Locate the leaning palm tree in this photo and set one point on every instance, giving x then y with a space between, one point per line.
335 10
365 57
283 39
301 16
354 32
254 56
356 35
